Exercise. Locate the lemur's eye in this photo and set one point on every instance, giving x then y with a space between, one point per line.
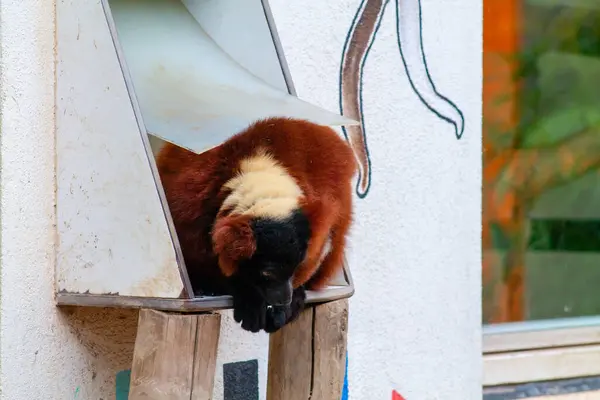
266 274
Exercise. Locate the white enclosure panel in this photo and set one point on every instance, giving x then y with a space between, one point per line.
250 43
113 234
191 91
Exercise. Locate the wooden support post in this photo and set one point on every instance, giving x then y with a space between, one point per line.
307 358
290 360
174 356
330 330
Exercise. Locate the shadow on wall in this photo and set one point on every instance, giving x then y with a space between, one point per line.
103 331
104 338
359 40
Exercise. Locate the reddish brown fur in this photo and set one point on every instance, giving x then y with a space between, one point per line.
232 240
315 156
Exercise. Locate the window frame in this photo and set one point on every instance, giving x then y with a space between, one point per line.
541 350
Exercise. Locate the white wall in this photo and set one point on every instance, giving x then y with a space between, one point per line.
415 249
415 256
45 353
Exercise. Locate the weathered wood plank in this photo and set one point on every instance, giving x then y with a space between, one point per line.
329 349
307 357
290 360
173 353
205 356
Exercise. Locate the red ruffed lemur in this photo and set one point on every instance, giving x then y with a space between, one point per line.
254 214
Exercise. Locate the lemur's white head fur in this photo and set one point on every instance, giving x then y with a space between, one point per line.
263 188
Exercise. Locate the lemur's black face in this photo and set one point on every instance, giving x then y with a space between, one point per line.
280 248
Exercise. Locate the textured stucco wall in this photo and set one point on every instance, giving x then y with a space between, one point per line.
415 249
45 354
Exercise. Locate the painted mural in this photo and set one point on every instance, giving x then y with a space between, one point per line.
360 38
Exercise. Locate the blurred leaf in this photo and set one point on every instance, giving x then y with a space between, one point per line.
540 236
560 126
500 240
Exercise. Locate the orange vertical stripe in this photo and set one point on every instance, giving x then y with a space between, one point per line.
501 42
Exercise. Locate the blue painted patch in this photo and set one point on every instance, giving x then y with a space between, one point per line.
123 379
345 388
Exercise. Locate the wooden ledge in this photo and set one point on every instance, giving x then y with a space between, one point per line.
199 304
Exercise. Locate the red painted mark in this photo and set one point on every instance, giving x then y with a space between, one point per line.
397 396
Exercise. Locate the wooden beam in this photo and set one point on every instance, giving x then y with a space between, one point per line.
290 360
174 356
205 356
307 357
329 349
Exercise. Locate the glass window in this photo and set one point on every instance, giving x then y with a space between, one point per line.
541 111
541 189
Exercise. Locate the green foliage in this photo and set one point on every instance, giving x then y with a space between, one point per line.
560 126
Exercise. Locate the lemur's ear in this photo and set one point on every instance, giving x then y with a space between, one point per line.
233 240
